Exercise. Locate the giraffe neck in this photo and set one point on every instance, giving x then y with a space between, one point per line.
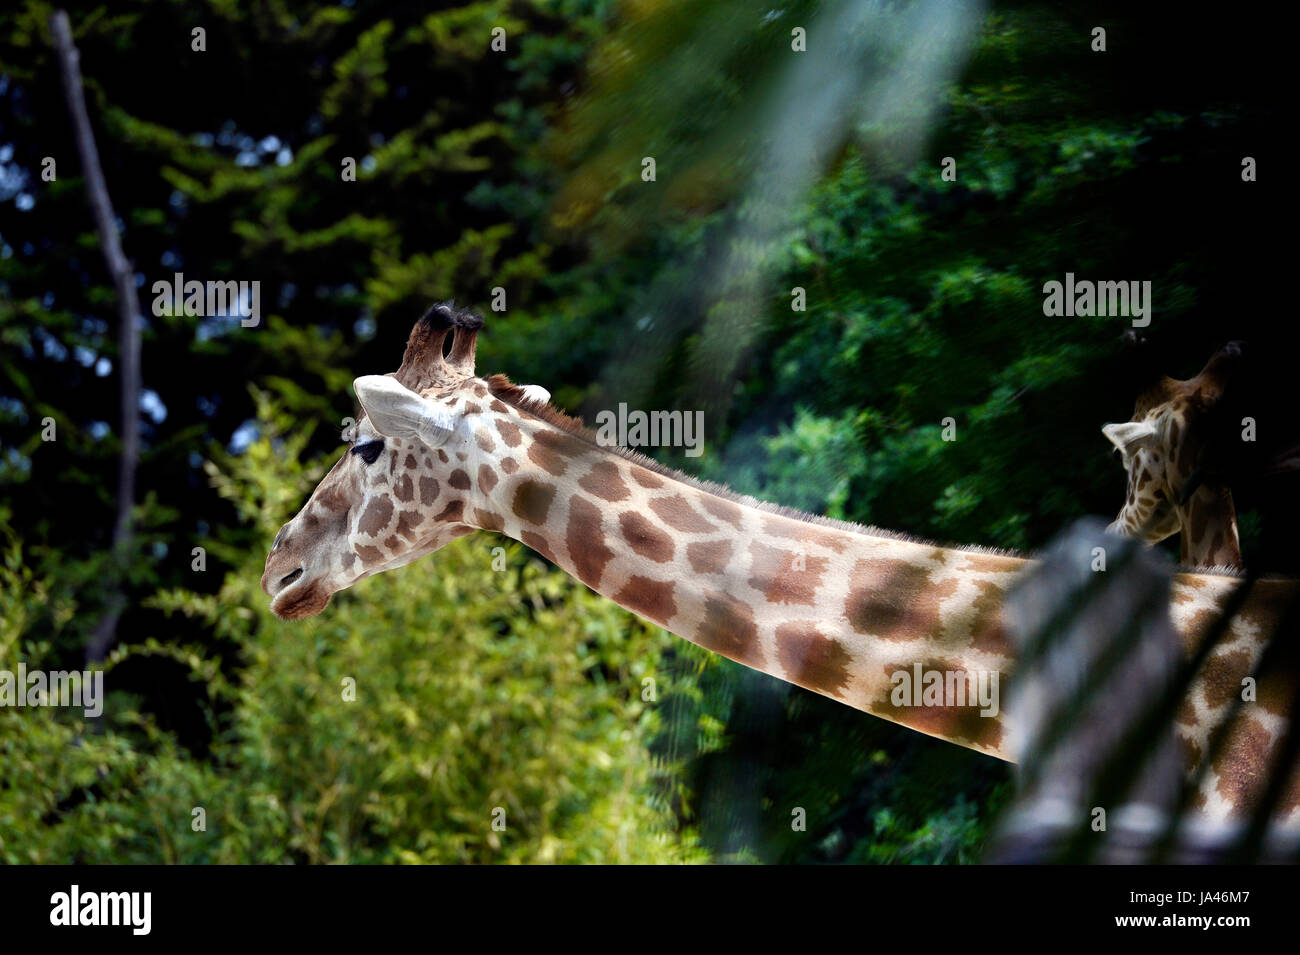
856 615
842 612
1208 527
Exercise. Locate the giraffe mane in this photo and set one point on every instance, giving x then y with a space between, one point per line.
1226 570
502 388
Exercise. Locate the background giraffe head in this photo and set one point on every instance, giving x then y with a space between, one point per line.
1174 433
400 490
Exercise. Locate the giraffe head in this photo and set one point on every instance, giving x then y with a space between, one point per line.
401 488
1162 447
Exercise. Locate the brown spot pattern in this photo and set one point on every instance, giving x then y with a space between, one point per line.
538 543
428 490
652 599
960 724
454 511
488 520
722 509
709 557
987 630
644 538
487 478
811 659
644 477
894 599
776 575
677 513
1221 677
1243 762
377 515
369 555
604 482
728 628
791 529
509 432
533 501
407 522
546 451
586 541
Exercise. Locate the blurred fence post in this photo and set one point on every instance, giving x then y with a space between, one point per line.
1101 676
1083 683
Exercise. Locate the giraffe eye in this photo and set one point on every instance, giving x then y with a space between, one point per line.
369 451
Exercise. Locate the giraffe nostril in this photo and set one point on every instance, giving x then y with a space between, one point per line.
287 579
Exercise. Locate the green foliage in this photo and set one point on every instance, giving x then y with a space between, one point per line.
954 835
475 689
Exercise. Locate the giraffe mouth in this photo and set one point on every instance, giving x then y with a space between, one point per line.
305 600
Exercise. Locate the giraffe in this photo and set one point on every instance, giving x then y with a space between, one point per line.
854 613
1161 447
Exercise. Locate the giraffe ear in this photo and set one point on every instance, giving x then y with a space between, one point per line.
1131 435
398 412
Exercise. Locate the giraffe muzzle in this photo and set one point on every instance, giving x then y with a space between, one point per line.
294 597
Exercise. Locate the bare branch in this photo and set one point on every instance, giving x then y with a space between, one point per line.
129 316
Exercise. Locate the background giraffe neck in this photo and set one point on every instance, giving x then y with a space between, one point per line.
1208 528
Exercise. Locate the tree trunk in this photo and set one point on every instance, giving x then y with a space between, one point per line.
128 331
